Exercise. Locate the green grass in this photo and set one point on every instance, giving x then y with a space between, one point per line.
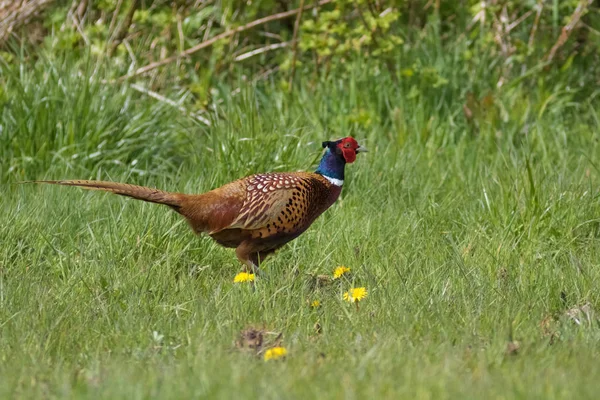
468 235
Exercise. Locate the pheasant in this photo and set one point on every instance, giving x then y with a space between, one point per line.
255 215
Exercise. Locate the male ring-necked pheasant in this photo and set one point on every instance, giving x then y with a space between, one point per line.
258 214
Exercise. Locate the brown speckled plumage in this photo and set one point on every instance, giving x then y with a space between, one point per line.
255 215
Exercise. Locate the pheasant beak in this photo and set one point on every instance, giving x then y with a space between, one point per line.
361 149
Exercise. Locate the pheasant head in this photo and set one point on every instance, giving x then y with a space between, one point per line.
337 154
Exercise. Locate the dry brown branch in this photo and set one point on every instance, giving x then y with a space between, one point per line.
115 17
295 46
81 9
207 30
216 38
568 28
518 21
76 12
77 24
17 15
261 50
536 22
123 28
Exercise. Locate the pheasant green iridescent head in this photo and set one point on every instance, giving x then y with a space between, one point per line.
337 155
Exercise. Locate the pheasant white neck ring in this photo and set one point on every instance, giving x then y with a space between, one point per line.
334 181
332 166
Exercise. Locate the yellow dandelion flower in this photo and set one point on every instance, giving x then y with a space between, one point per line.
315 304
243 277
355 294
339 271
275 353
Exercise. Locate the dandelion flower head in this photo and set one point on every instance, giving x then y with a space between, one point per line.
275 353
339 271
315 304
355 294
243 277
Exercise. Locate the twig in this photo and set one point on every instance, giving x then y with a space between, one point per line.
180 32
568 28
515 23
207 30
589 28
170 102
295 46
536 22
123 28
77 24
216 38
114 19
131 52
498 25
81 9
20 16
271 35
261 50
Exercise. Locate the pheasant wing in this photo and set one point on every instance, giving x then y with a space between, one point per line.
280 201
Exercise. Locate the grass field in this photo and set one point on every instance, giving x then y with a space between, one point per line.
476 238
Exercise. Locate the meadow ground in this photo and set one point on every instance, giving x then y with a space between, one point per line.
476 238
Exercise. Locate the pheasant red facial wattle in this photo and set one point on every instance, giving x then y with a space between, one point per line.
350 149
255 215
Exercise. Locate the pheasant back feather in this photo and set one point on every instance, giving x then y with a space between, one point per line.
283 203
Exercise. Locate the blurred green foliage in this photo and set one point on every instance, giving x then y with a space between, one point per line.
481 67
519 34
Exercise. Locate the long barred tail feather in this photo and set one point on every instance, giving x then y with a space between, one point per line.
124 189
